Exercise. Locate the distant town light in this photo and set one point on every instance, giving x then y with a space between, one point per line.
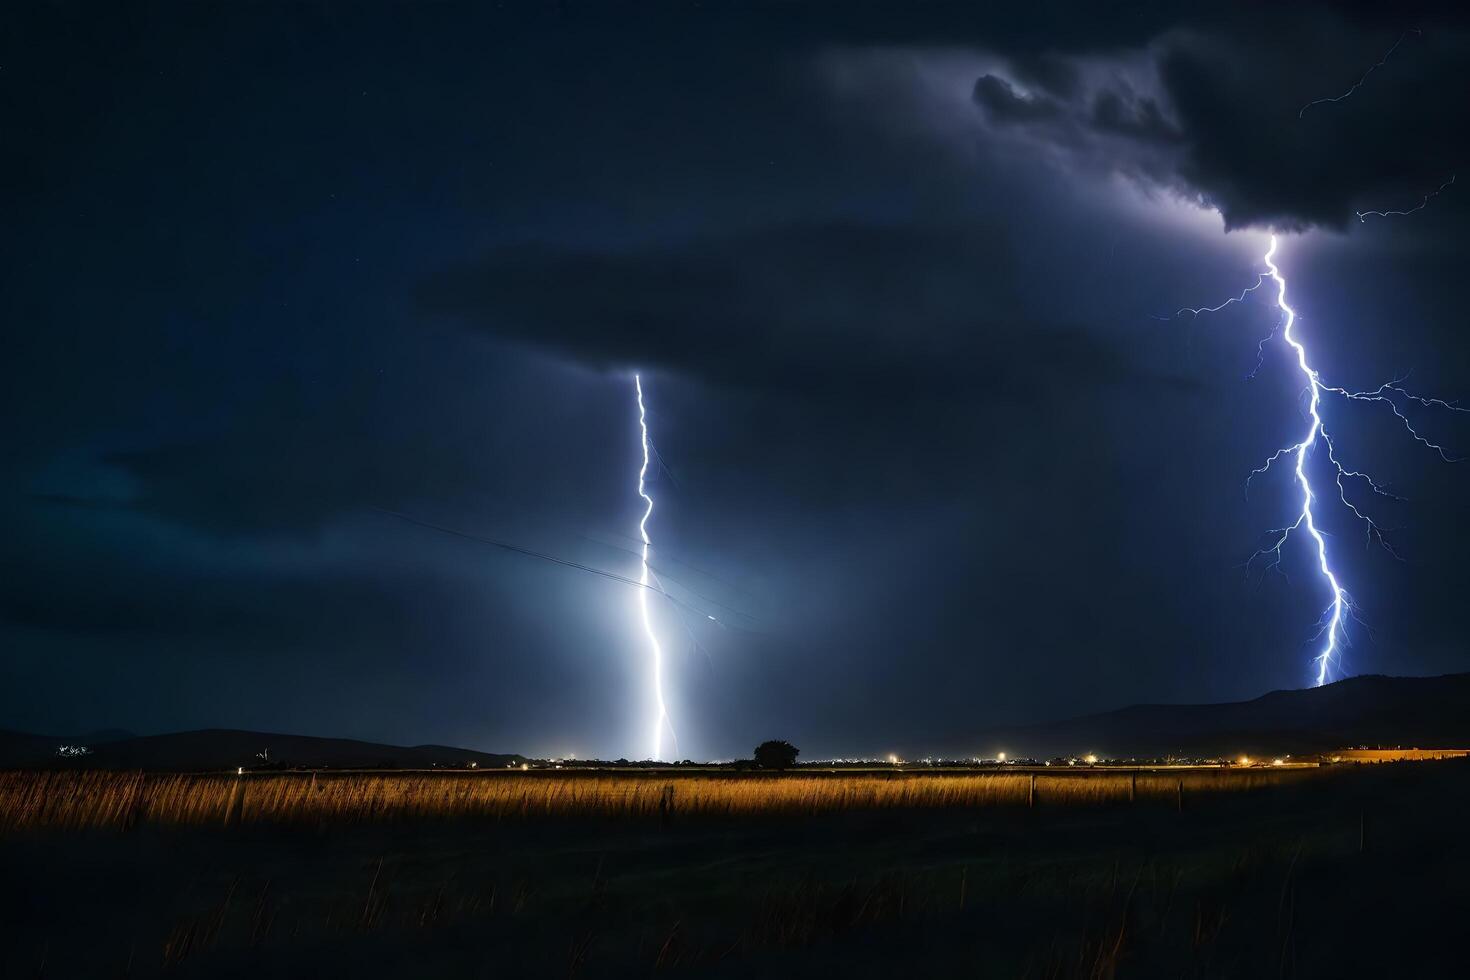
1091 759
1278 762
1000 757
893 759
1244 760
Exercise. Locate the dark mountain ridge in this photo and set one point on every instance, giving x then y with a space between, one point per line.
222 749
1372 709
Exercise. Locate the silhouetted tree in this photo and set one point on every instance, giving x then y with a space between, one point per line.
776 754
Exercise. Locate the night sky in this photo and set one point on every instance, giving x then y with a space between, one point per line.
900 282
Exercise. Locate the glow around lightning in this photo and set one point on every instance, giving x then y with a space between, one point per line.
1340 606
656 652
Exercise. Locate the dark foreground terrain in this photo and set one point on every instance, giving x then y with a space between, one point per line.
1359 872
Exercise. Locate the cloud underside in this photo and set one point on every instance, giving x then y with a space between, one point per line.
817 309
1218 115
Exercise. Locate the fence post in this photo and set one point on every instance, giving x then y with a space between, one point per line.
1031 792
1179 795
1133 787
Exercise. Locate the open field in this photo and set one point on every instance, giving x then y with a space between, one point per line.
1334 872
102 799
1397 755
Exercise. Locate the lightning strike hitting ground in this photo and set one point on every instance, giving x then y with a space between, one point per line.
1371 69
661 715
1365 215
1341 604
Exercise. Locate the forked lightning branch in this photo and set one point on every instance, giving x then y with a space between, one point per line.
1307 520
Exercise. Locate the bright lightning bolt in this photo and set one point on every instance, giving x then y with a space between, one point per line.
1341 605
1306 519
1365 215
1359 83
661 716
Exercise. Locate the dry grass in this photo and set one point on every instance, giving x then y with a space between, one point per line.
100 799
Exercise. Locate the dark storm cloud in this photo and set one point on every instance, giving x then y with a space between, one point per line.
814 307
1047 70
1005 106
1251 153
1212 109
286 469
273 477
289 461
107 599
268 267
1137 118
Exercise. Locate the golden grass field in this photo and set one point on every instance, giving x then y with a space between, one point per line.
103 799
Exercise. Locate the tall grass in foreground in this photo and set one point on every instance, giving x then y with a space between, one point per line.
100 799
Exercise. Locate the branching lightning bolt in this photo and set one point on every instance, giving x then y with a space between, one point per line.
1340 607
1365 215
1340 599
661 715
1359 83
1197 310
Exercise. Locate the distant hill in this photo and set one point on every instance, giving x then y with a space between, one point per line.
222 749
1372 710
1368 710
